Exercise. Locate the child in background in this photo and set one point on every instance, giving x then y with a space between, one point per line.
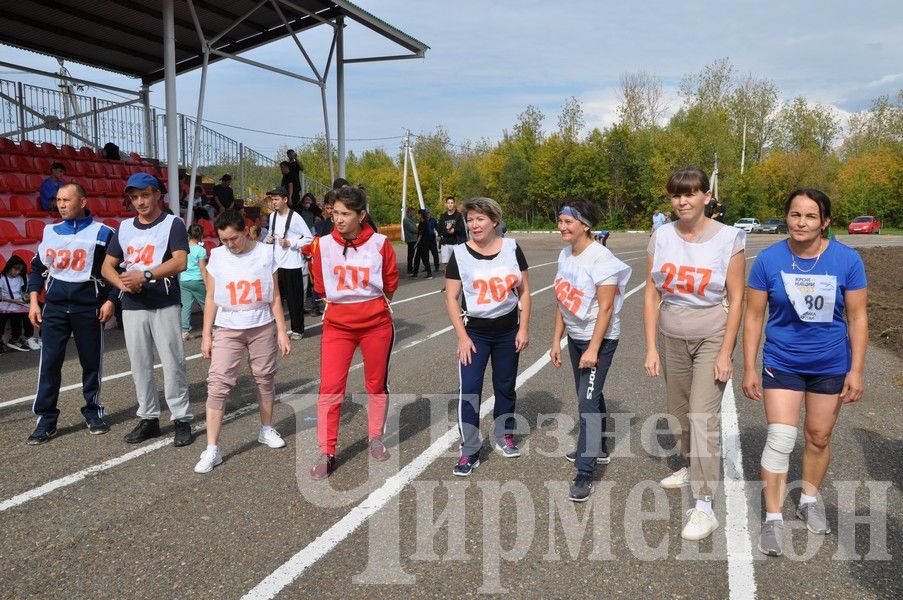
14 307
255 231
192 281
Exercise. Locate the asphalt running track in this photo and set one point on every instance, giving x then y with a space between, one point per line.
93 517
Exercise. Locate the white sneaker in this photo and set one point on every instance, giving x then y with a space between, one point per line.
271 438
700 525
34 343
676 480
209 459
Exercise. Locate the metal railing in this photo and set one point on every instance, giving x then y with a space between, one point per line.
63 116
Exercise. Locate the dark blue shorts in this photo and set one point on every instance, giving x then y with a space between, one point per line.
798 382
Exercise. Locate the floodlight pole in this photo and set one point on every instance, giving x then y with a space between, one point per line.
148 123
404 186
340 90
169 77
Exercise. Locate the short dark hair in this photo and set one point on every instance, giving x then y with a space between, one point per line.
352 197
817 196
447 198
230 218
329 197
57 165
587 210
688 180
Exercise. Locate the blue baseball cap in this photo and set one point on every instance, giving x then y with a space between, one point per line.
141 181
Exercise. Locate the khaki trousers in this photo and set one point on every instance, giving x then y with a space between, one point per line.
694 400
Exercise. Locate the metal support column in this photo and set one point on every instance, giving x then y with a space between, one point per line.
148 123
95 123
196 142
241 169
169 73
20 101
340 91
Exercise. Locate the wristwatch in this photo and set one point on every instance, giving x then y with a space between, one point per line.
148 276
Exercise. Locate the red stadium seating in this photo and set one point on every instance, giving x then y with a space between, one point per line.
207 226
34 182
26 206
6 211
114 223
14 182
209 245
25 255
68 151
6 162
9 232
109 168
7 146
120 171
34 228
2 258
87 153
50 150
115 205
28 147
42 165
23 163
99 208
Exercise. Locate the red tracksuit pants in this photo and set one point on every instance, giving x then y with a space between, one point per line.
337 348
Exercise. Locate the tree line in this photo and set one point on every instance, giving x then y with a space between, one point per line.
765 149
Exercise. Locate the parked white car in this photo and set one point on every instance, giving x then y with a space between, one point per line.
747 224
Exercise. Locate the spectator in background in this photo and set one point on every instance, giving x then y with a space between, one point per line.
291 181
658 219
202 207
14 307
431 240
288 233
110 152
193 280
719 212
423 249
294 164
451 229
324 227
410 237
309 210
51 186
223 196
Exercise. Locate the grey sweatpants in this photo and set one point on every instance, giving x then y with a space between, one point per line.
160 327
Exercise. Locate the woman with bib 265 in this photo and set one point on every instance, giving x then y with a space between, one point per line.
812 354
693 305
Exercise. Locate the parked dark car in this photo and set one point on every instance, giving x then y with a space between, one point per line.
864 225
772 226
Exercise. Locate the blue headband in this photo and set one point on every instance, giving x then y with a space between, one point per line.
573 212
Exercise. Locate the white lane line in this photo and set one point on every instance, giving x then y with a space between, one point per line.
45 489
77 386
741 577
329 539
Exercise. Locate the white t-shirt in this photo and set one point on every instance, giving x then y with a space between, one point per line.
298 234
575 289
243 288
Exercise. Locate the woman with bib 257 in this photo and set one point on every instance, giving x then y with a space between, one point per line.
693 305
811 354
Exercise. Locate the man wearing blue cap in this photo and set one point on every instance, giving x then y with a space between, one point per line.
143 260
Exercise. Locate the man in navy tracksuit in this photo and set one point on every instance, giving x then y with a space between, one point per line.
78 302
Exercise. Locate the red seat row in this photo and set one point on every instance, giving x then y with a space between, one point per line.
19 163
49 150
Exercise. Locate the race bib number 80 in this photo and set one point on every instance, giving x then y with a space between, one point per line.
812 296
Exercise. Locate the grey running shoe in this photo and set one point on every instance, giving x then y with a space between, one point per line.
771 538
813 514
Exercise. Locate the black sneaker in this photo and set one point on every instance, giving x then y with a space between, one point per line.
40 436
582 488
144 430
97 426
466 465
604 459
183 435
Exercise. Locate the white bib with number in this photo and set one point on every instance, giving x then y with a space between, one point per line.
689 274
352 274
243 281
488 284
69 257
812 296
143 249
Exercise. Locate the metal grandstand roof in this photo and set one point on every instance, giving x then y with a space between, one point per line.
126 36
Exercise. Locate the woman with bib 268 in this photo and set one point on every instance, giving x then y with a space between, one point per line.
589 287
354 269
492 324
693 305
812 354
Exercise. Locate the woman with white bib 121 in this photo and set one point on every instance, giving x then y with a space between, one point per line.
487 269
589 286
811 354
693 304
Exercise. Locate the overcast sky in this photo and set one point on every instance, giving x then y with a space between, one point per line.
489 60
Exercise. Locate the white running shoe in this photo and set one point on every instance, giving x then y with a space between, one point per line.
34 343
676 480
700 525
271 438
209 459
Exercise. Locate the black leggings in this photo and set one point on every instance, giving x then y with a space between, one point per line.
18 322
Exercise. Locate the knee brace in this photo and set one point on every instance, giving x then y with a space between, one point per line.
778 446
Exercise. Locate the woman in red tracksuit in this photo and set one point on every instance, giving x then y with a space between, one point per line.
354 270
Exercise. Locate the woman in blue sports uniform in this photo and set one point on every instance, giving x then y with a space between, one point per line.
815 342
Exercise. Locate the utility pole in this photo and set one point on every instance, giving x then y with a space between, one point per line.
743 151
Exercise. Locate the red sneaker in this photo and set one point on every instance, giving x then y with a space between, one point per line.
324 467
378 451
